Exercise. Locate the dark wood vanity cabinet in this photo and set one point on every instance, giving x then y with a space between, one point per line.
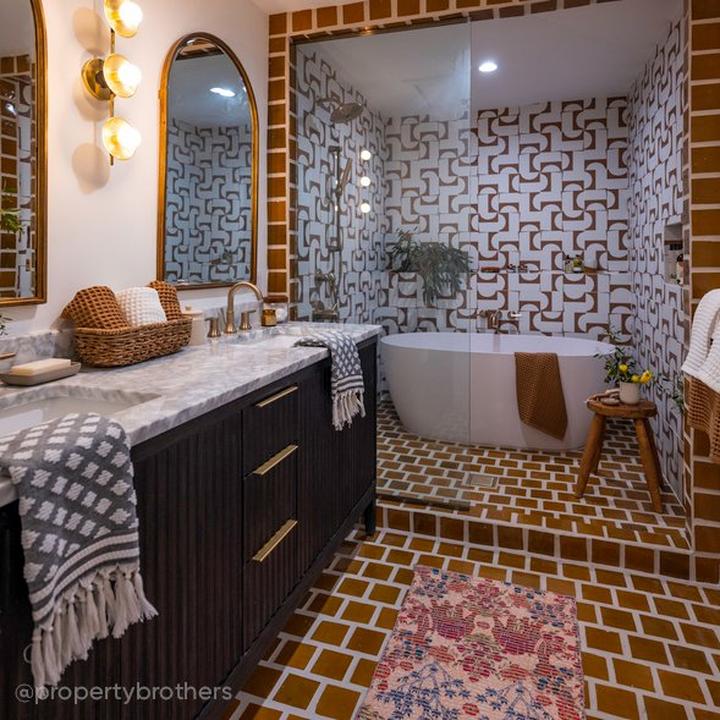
239 511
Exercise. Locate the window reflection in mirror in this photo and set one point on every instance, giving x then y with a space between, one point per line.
209 221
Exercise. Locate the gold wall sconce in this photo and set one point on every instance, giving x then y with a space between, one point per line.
115 76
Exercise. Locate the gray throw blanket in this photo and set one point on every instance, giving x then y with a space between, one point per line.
347 386
74 480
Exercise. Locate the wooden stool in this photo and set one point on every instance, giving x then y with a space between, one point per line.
640 415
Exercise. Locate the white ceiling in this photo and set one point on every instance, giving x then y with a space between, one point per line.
583 52
17 28
190 99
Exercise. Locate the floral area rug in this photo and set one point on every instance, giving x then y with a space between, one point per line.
467 647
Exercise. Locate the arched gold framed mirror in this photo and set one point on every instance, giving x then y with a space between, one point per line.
208 184
23 154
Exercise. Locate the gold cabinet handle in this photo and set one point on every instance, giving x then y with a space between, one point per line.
277 396
271 545
276 459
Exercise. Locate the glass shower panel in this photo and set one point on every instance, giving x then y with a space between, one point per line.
387 196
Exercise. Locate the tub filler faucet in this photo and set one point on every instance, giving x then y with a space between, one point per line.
494 320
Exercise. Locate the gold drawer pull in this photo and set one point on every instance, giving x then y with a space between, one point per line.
277 396
271 545
276 459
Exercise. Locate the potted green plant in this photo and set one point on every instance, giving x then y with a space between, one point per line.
440 266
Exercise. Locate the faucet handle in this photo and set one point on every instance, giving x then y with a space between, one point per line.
245 321
214 330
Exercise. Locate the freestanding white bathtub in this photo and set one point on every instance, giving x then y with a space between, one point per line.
461 387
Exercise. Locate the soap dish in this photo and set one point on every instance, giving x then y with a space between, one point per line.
40 378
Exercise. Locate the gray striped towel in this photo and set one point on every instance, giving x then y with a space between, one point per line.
347 386
74 480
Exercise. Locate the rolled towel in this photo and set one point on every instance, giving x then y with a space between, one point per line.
141 306
705 322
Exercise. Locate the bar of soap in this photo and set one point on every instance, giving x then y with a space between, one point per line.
39 366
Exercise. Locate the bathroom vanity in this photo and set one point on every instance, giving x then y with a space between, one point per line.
241 506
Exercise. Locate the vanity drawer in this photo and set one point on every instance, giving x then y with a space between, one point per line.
269 499
269 577
270 424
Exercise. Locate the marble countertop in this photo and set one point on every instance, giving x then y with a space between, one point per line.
180 387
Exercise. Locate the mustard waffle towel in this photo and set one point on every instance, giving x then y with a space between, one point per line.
540 397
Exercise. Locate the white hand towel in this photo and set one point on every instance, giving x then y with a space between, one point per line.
141 306
709 373
704 324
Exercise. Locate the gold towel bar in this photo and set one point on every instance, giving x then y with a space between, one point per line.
277 396
276 459
271 545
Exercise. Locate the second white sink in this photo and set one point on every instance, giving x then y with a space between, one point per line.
39 406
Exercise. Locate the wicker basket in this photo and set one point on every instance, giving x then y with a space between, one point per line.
127 346
104 339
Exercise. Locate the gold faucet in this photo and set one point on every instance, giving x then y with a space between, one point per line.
244 316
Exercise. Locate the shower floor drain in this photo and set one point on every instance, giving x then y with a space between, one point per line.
482 482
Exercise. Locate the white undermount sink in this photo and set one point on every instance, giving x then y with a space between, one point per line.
35 407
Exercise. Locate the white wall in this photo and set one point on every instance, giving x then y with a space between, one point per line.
102 220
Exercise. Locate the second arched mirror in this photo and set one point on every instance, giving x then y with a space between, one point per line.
207 218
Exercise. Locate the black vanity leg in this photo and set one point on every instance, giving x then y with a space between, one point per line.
370 518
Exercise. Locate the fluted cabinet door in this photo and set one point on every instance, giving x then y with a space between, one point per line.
190 510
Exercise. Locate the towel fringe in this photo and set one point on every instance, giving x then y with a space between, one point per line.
112 600
346 405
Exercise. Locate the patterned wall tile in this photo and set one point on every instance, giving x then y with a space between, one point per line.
655 201
208 203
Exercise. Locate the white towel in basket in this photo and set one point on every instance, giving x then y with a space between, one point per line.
141 306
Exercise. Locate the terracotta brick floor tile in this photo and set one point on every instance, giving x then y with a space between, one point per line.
634 675
358 611
362 675
681 686
366 641
605 640
617 702
659 709
618 618
332 664
326 604
337 703
331 633
296 691
386 618
295 654
658 627
384 594
690 659
695 635
632 600
671 608
643 648
595 666
262 681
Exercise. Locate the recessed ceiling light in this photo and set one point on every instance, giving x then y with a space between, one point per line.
489 66
224 92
